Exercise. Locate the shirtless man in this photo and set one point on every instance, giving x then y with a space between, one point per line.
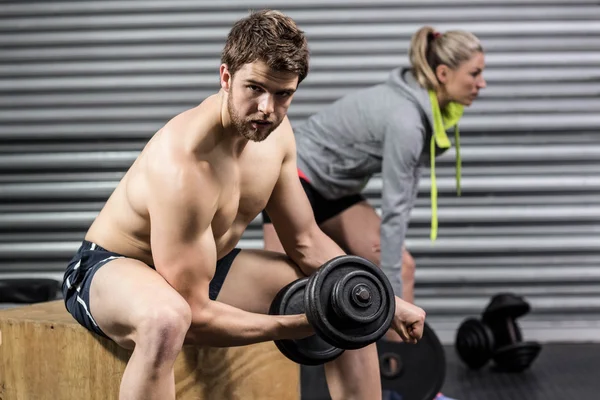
158 267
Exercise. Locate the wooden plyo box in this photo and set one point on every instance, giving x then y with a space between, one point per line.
46 354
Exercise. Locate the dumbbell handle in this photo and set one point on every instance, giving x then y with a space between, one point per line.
310 350
506 331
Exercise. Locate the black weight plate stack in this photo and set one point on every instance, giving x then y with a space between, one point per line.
474 343
516 357
350 302
420 369
311 350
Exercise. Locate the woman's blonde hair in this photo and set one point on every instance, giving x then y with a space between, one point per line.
429 48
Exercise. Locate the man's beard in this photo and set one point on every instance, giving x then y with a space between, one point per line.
242 126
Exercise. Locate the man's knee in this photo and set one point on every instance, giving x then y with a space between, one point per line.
162 328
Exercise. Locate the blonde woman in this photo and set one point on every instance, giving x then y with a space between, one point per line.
393 128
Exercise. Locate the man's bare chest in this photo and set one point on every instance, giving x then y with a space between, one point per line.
246 191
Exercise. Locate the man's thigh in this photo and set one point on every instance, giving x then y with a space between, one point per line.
255 277
123 292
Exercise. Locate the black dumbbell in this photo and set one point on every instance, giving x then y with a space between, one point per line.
497 336
349 302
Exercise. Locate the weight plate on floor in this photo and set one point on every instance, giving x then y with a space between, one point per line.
311 350
414 371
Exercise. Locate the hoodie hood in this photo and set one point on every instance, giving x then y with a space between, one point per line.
403 80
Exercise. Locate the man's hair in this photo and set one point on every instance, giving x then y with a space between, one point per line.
268 36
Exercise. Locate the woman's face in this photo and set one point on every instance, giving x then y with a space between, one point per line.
462 84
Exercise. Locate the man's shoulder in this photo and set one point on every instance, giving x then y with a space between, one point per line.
173 169
283 136
199 120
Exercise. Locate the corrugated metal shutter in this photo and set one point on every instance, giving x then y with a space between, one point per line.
84 84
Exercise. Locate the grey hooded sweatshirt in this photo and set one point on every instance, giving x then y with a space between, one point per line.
383 128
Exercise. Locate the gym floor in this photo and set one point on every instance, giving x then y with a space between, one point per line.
561 372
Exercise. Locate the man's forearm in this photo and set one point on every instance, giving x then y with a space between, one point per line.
221 325
314 249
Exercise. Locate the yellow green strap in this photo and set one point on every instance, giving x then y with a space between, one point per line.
441 123
458 160
434 221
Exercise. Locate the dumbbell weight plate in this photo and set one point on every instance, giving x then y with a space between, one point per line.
474 343
350 302
311 350
505 305
516 357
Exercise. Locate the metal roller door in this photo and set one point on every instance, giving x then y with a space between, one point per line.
84 84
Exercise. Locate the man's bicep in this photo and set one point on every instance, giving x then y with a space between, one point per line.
189 267
288 207
183 246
